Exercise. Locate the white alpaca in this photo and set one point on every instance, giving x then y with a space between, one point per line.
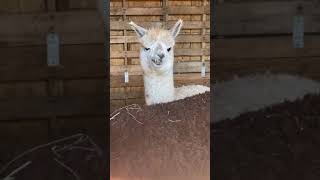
157 60
251 93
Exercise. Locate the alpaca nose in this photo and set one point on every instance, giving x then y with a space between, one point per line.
161 56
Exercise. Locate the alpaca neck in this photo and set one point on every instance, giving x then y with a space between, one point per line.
158 88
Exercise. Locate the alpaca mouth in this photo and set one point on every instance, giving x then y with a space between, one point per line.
156 62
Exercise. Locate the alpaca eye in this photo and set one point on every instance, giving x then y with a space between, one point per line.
146 49
168 49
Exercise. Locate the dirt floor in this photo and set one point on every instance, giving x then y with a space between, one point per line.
278 142
168 141
72 158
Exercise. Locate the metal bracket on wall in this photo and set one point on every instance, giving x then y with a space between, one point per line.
203 70
298 29
53 45
126 76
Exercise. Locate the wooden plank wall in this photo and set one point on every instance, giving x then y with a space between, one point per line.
192 47
40 103
256 36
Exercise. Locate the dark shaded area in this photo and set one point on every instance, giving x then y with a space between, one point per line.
167 141
71 158
278 142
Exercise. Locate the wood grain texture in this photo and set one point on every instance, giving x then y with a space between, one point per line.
31 29
247 18
45 107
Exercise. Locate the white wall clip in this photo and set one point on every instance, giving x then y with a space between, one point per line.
126 76
53 49
203 70
298 28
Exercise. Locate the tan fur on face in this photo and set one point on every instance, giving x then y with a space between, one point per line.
157 34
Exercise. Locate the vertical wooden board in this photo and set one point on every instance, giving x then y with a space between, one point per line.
23 89
83 4
19 136
85 87
27 6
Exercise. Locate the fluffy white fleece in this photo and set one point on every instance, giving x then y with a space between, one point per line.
240 95
160 89
190 90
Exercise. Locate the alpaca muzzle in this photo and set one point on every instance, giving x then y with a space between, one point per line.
157 61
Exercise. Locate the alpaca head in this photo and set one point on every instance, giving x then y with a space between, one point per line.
156 53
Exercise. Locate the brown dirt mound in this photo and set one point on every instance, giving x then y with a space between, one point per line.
278 142
166 141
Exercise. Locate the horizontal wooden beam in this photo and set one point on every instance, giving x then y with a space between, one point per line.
35 73
159 11
180 39
120 25
24 63
117 81
265 47
180 67
29 108
31 29
248 18
177 52
118 11
37 55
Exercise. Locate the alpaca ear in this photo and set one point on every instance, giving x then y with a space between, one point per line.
138 29
176 28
